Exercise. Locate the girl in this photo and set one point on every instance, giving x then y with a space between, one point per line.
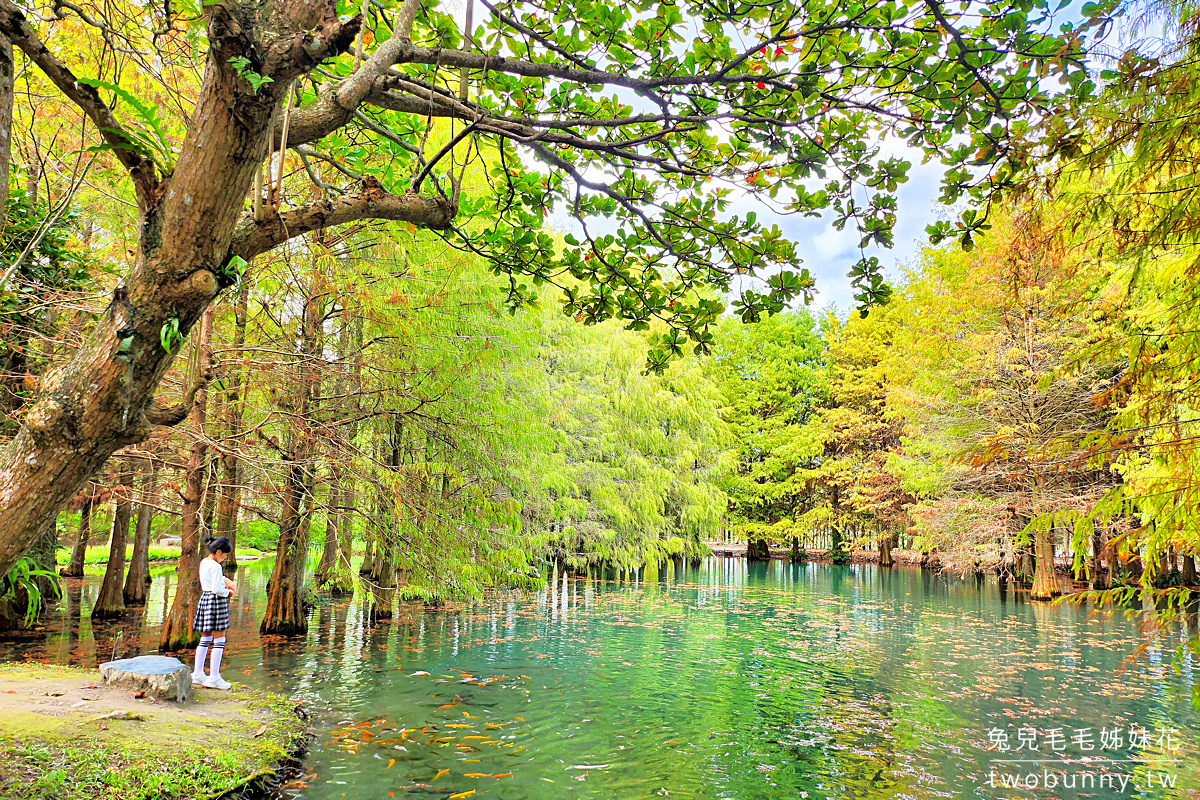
212 614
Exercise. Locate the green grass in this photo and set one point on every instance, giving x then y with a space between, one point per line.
97 554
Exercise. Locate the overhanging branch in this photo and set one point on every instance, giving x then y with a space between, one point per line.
371 202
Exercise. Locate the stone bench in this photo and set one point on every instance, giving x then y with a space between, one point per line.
159 676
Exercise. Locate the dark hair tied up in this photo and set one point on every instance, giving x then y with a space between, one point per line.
220 544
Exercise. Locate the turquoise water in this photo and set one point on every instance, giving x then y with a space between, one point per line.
731 680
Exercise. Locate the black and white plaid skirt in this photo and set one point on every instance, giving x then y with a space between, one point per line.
212 614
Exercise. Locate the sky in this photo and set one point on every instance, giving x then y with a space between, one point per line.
829 254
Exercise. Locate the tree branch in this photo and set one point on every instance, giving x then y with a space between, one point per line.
371 202
168 416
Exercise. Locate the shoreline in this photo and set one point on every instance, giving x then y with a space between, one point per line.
68 735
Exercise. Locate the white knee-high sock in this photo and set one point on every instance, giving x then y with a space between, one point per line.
214 664
201 654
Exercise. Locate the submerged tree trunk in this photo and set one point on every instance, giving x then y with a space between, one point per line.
885 551
1045 579
368 563
284 613
383 588
138 579
1100 577
177 631
329 549
74 568
110 603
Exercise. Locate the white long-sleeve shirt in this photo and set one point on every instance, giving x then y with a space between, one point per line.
212 578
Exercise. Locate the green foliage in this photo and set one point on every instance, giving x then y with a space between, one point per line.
26 578
774 378
242 65
149 136
169 335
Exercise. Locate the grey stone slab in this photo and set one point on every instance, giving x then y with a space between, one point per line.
159 676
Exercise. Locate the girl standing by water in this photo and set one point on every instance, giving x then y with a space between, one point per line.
212 614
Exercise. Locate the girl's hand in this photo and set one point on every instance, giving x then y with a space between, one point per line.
231 586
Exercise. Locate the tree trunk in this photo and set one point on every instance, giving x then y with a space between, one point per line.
75 568
383 588
284 614
1045 579
110 603
327 567
230 501
7 75
885 551
177 631
798 554
368 563
138 579
1099 576
1188 576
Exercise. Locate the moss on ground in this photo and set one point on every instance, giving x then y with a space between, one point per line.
53 746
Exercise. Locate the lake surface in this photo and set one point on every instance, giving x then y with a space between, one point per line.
731 680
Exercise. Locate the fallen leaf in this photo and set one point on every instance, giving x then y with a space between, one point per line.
54 694
139 694
260 731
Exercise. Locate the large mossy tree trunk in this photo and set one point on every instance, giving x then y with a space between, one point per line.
110 603
74 568
177 631
1045 579
137 581
230 500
